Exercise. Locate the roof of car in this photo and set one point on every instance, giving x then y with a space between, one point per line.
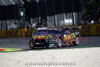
43 28
47 28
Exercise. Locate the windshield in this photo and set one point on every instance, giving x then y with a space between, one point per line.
56 32
46 32
43 32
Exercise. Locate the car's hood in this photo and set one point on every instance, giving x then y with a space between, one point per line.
42 36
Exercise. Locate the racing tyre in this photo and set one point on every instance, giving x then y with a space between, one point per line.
47 46
77 41
59 42
31 44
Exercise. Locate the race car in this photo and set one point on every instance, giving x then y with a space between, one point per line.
55 37
44 37
70 37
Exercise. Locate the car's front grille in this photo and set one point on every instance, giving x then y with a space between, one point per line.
40 41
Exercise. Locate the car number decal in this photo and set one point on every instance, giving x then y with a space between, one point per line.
69 37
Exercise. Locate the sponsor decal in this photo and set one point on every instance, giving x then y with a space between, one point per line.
42 36
86 29
69 37
97 29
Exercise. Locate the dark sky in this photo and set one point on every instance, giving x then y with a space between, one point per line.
42 9
9 12
50 8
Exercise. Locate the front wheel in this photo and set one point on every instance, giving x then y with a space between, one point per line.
31 44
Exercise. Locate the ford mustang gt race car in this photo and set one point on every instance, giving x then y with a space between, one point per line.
45 37
54 37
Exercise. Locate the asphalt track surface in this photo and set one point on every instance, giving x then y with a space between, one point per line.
86 42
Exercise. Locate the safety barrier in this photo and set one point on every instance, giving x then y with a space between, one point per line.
90 29
2 33
93 29
11 33
16 33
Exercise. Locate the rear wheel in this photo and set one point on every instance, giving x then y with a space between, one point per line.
77 41
59 42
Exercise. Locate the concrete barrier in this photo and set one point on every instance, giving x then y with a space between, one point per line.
90 29
15 33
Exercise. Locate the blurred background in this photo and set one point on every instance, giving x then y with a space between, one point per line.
19 14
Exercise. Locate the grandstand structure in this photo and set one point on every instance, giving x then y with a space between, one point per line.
52 13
